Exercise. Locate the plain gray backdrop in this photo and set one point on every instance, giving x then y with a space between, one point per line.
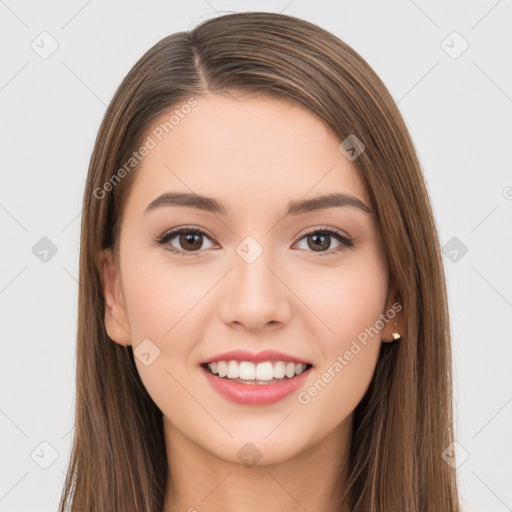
448 66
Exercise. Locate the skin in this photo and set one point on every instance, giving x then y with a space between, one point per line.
253 154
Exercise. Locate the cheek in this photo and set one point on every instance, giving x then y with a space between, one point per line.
162 305
160 299
348 301
345 301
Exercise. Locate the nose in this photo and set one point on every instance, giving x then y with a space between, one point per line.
255 295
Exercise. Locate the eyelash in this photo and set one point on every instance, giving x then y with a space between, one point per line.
345 243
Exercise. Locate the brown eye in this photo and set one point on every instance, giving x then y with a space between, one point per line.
191 241
319 242
184 240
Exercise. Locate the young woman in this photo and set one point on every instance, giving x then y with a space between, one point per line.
263 319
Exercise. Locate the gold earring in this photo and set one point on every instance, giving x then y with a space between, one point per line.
396 335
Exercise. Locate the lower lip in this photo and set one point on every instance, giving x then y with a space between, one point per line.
255 394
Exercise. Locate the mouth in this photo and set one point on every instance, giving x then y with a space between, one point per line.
256 374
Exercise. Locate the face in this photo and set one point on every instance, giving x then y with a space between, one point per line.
193 281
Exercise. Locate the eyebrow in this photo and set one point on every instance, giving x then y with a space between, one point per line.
295 207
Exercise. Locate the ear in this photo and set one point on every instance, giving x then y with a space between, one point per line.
116 317
393 316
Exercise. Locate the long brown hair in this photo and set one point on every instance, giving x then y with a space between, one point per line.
404 422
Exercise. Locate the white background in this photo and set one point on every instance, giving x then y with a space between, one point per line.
459 112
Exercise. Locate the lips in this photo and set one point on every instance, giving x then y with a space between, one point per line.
260 357
255 394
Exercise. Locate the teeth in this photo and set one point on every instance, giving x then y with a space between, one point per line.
247 370
279 369
222 369
233 370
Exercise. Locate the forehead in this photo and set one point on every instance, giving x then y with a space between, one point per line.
258 150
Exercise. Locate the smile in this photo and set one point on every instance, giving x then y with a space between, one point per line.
247 383
247 372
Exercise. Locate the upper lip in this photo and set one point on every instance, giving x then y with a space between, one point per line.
264 355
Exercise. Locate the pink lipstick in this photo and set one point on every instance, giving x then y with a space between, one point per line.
255 379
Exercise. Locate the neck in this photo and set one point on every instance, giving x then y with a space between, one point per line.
202 482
